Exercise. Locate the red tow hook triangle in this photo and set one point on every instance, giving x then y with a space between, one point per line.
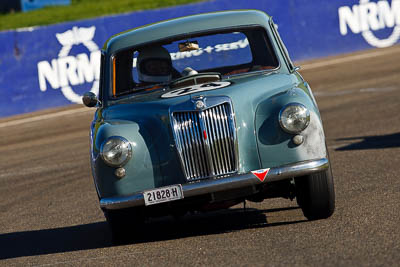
261 174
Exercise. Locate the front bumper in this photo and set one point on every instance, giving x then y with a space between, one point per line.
226 183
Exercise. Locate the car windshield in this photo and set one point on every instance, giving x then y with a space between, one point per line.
150 67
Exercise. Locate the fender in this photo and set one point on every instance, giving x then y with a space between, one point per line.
142 170
276 147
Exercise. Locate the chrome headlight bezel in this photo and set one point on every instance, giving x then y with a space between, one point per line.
125 148
303 119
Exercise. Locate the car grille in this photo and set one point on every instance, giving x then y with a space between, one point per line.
206 141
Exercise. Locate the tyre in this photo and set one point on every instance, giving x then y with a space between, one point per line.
315 194
125 225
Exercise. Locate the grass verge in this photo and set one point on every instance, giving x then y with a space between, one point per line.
80 9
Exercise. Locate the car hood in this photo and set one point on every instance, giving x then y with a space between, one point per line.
244 91
151 111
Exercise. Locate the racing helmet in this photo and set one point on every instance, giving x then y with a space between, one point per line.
154 65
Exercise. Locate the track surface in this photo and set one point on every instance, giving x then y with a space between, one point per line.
49 212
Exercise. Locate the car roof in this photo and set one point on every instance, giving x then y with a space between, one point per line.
185 25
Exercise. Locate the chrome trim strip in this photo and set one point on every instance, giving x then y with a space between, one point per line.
216 154
225 135
213 185
207 146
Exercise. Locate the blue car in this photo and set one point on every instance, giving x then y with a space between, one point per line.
201 113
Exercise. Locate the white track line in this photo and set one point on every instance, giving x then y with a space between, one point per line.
344 59
363 90
308 66
44 117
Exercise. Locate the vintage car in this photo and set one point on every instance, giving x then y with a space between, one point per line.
200 113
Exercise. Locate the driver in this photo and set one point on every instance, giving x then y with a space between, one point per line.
154 65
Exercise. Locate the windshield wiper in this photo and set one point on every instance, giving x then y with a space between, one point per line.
199 78
142 89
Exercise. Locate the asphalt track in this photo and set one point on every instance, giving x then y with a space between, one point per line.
49 212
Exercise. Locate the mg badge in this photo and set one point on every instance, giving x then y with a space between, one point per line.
200 104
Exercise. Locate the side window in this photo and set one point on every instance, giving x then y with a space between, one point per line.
122 77
274 28
101 82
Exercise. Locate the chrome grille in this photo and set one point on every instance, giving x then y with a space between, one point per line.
206 141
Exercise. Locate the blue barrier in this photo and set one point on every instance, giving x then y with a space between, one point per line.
52 66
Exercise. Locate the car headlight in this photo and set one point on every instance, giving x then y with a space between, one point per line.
116 151
294 118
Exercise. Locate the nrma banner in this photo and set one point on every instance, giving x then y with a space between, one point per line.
52 66
377 22
71 70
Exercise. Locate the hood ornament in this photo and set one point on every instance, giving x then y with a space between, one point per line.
200 104
198 101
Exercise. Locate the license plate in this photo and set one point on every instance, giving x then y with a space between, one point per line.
163 194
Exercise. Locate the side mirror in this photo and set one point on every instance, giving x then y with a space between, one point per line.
90 99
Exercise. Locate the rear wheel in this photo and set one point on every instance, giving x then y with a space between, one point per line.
125 225
315 195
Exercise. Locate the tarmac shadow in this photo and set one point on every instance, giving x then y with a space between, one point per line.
222 221
57 240
97 235
371 142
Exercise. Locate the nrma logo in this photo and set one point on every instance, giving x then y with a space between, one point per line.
67 70
372 16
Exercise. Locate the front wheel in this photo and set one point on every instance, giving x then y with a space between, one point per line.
315 195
